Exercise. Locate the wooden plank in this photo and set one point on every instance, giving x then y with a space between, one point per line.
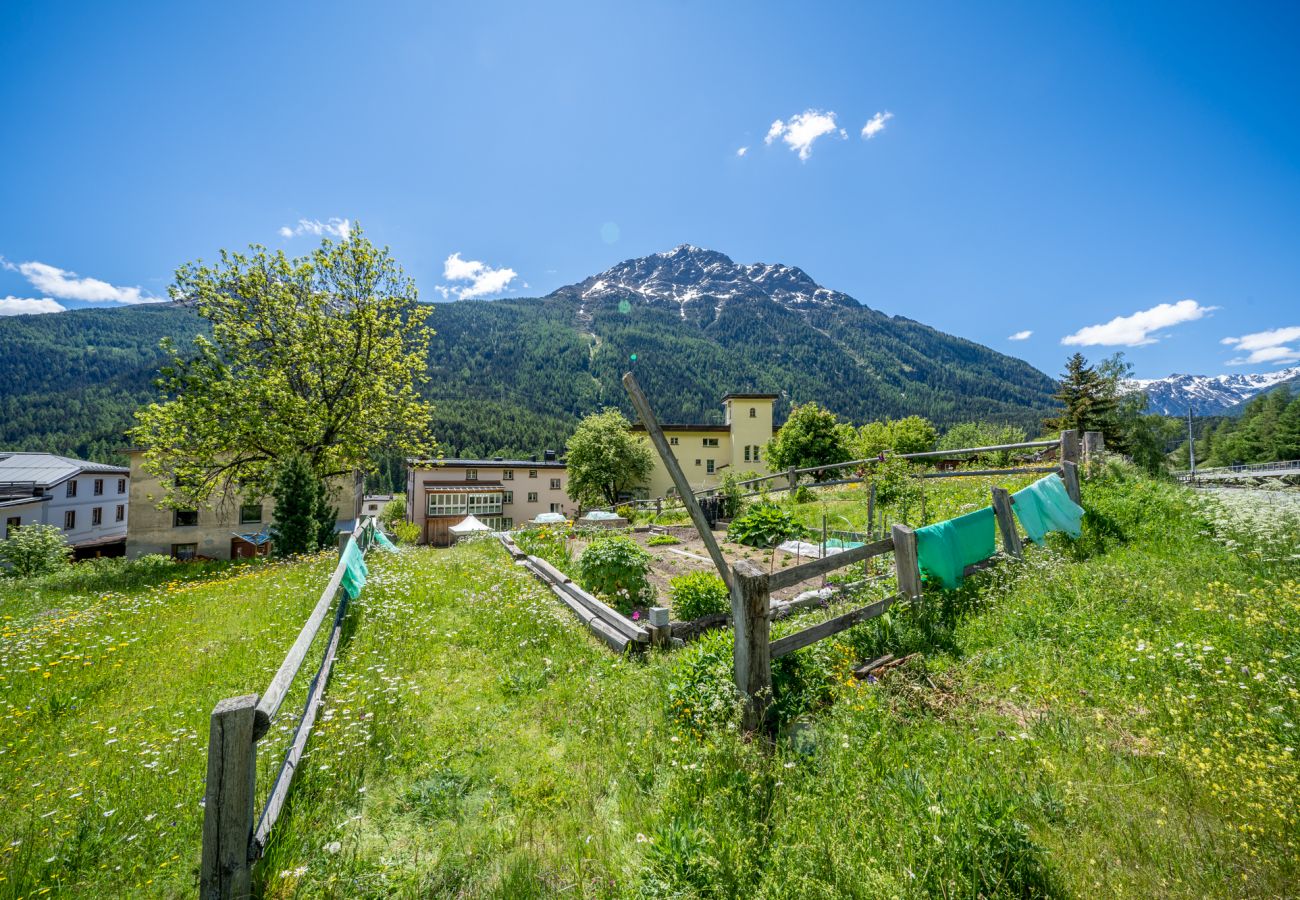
280 789
800 639
1069 445
905 567
751 603
609 635
784 578
608 614
967 451
1007 523
975 473
642 406
269 705
1070 475
549 571
225 869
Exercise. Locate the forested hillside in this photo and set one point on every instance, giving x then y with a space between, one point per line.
514 376
1268 430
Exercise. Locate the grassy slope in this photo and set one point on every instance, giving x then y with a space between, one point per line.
1070 735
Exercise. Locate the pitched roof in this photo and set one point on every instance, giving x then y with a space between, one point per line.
47 469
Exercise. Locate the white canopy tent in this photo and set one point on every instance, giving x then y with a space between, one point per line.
468 525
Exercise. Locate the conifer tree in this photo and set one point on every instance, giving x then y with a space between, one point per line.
297 525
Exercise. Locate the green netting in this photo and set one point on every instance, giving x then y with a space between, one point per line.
381 540
945 549
1046 506
354 569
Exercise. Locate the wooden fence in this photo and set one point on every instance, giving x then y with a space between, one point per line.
233 839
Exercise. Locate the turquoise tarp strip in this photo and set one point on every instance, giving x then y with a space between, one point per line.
945 549
382 540
354 569
1046 506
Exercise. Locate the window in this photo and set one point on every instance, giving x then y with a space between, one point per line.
70 520
185 552
507 474
11 523
555 507
673 441
555 484
507 523
710 442
72 488
99 487
448 504
250 513
708 466
471 474
97 516
121 513
184 518
532 473
485 504
697 462
121 485
508 497
747 451
532 496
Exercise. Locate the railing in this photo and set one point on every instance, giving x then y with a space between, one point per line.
232 842
1282 466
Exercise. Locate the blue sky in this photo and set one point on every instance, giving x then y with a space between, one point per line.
1044 168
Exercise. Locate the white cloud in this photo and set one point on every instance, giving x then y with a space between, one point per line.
19 306
742 151
803 129
1020 336
335 227
875 125
67 285
1136 330
1266 346
482 278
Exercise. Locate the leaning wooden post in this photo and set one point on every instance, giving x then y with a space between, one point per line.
226 870
906 570
1070 475
753 655
1007 523
1070 446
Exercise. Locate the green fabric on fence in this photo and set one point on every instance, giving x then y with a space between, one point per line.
945 549
354 569
1046 506
382 540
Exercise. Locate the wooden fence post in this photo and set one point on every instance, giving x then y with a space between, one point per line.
226 870
871 510
661 634
794 478
1070 475
1094 443
751 605
1070 446
1007 523
905 567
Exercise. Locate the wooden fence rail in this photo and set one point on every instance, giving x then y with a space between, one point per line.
232 842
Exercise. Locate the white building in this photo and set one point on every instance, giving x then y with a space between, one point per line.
87 500
373 504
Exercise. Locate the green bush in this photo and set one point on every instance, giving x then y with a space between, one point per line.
549 542
698 594
764 525
662 540
894 482
702 693
406 532
627 511
617 569
35 550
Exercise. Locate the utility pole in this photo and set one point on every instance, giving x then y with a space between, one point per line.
1191 442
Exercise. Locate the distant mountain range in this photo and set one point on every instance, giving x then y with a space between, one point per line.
1209 395
513 376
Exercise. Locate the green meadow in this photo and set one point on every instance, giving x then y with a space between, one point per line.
1113 716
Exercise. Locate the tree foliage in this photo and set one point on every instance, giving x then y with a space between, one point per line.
1268 430
321 356
304 520
1089 398
812 436
605 459
911 434
35 550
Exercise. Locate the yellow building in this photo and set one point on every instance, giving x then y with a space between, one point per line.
705 452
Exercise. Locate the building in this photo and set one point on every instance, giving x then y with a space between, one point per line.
705 452
502 493
373 504
87 500
227 528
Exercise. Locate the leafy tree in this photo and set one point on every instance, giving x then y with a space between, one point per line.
605 459
304 521
35 550
912 434
320 356
812 436
983 434
1267 430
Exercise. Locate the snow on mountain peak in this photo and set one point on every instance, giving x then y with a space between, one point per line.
1207 394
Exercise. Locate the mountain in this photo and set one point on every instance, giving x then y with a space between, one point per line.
513 376
1208 395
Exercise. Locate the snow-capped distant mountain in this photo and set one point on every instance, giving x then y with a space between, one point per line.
1207 395
699 283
